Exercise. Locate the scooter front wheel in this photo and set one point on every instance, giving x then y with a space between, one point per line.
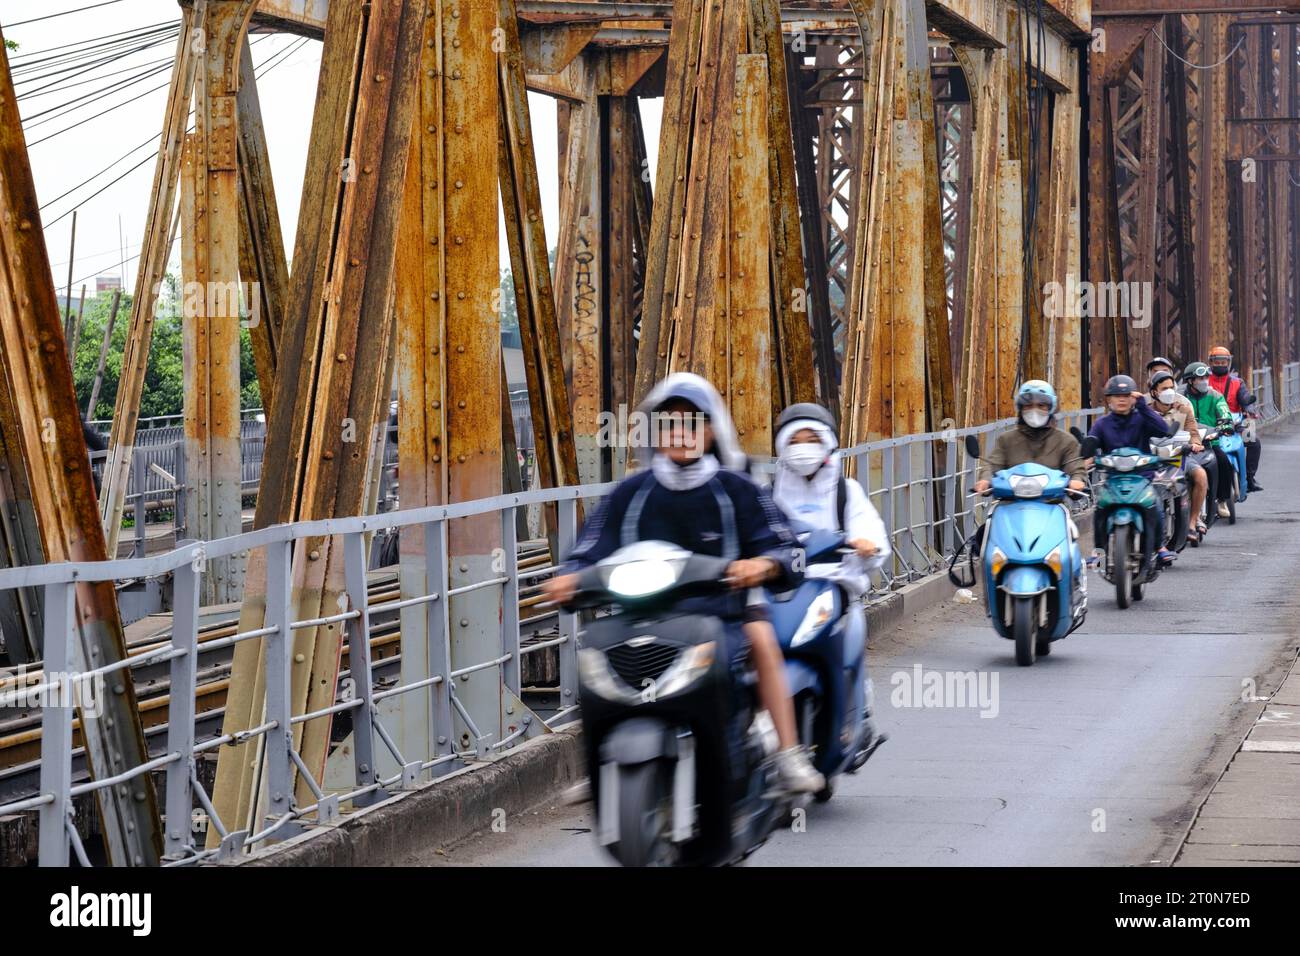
1025 628
1119 550
645 815
1232 499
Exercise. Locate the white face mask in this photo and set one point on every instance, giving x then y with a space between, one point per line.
805 458
1201 386
1035 417
1167 396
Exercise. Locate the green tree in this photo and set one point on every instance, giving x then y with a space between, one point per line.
164 383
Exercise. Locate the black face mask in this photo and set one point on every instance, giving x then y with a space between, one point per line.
1219 369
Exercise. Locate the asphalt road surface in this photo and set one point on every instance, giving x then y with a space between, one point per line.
1098 754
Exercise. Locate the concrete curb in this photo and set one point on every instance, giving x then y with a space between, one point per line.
439 813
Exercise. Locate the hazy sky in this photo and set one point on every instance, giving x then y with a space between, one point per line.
118 121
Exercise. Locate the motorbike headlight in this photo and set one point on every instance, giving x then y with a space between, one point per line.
1028 486
818 613
997 561
685 671
1053 561
640 578
1120 462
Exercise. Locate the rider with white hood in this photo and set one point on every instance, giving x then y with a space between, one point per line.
810 488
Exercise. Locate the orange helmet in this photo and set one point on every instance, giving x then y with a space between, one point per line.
1220 352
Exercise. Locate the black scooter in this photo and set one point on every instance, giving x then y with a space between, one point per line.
679 751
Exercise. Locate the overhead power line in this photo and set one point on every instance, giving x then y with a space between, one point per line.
51 16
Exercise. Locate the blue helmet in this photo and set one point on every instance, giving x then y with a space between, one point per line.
1035 388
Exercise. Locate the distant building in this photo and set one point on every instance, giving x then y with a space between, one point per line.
107 283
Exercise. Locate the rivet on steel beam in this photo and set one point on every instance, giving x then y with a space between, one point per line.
461 459
460 184
461 404
459 128
341 357
299 658
460 240
354 262
436 297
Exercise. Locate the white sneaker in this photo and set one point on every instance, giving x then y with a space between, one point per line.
1223 510
796 773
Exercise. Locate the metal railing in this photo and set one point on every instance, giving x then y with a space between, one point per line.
918 482
57 836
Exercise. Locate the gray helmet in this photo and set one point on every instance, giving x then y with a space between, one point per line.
808 410
1158 377
1120 385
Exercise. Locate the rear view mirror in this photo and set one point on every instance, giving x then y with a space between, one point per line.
1078 435
972 446
1087 446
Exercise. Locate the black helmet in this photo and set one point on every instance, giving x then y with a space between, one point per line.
1159 360
1120 385
809 410
1158 377
1196 370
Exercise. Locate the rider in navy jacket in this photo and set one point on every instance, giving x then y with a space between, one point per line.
692 519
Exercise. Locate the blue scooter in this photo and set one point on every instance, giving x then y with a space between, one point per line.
1234 446
1035 588
824 642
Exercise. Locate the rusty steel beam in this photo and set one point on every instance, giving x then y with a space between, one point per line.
677 325
20 541
1212 218
329 394
262 262
149 275
43 422
794 342
861 414
211 214
449 406
548 397
745 311
1143 8
814 237
580 280
670 196
1178 156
